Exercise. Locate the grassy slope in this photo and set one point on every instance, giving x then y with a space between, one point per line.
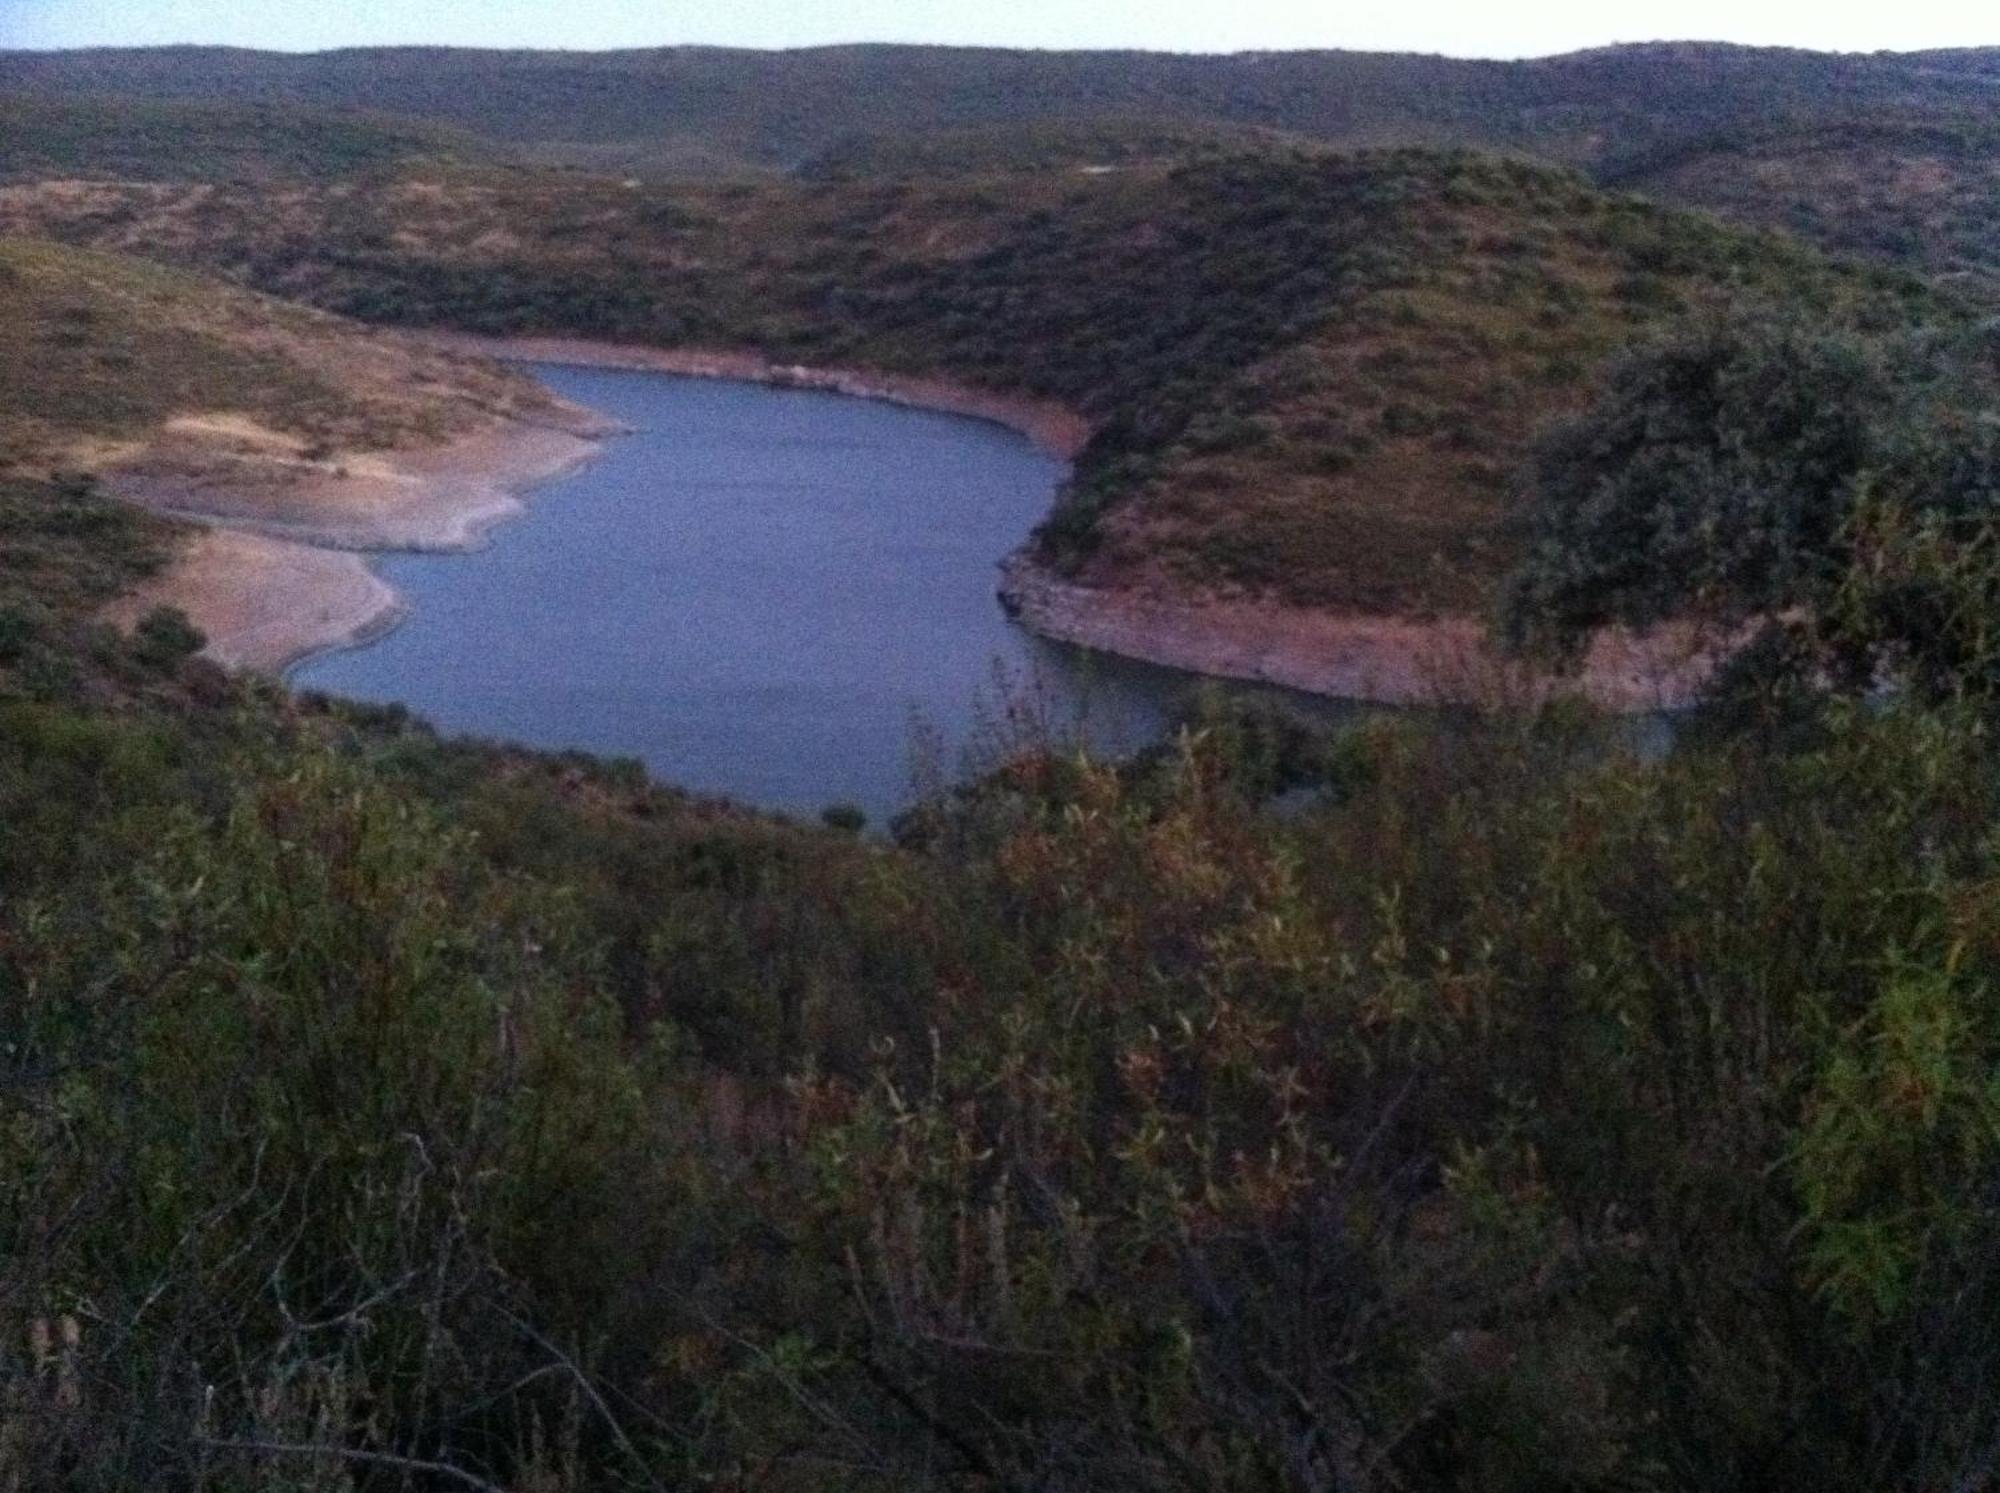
1840 148
777 108
1314 373
139 140
98 352
1041 145
1917 190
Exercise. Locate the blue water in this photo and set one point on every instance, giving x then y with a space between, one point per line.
779 596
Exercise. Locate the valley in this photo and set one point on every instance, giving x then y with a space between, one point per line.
567 924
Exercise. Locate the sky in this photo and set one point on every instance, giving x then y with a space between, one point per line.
1466 28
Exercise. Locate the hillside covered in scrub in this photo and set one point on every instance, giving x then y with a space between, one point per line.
107 360
1468 1102
61 135
1887 155
1917 190
776 109
1501 1109
1312 376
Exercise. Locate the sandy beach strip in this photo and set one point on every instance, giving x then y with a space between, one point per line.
1055 427
443 497
265 603
1381 659
279 569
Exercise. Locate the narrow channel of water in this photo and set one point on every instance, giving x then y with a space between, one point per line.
779 596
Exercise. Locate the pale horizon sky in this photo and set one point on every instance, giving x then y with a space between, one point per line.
1464 28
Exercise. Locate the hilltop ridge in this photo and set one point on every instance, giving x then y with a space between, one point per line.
775 109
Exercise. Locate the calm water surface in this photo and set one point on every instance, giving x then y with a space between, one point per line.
781 596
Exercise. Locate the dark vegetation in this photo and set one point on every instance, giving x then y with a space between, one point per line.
1891 157
1313 373
777 109
1085 145
377 1112
66 550
1501 1109
1919 189
1826 501
110 139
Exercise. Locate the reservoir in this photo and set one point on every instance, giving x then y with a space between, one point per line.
781 596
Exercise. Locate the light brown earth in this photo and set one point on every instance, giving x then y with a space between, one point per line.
263 602
1389 660
277 575
435 497
1054 427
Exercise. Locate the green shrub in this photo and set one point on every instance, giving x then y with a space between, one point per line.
164 638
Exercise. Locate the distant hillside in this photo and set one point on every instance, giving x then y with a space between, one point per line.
1043 145
672 106
1313 376
1917 190
140 140
1977 61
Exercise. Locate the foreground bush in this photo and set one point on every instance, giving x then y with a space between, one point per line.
1527 1115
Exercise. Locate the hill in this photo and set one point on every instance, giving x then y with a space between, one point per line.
138 140
1312 375
1917 190
1091 145
1983 62
272 422
103 358
777 109
1885 155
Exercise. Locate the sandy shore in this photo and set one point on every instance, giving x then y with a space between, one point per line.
1388 660
1054 427
265 603
280 571
430 498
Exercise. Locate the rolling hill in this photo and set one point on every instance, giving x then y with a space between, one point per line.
1095 145
142 140
777 109
1888 156
1312 375
1919 190
103 356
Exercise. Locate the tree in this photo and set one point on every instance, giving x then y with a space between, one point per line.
165 637
1750 472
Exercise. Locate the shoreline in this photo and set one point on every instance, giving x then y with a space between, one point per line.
283 566
1055 427
1374 659
448 498
265 604
1380 660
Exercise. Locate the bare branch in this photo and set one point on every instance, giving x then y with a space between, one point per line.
350 1454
